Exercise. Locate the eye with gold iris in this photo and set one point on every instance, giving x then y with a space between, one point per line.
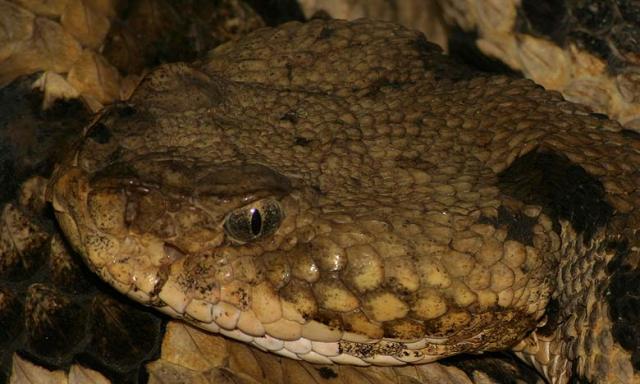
253 221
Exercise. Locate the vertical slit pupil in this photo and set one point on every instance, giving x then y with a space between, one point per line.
256 222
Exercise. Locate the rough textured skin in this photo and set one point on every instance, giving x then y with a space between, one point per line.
341 192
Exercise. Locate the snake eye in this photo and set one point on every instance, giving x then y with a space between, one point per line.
253 221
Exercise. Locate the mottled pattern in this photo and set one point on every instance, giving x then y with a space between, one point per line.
341 192
609 29
587 49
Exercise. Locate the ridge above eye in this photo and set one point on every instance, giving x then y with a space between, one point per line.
253 221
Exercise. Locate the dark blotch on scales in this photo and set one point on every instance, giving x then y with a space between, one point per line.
563 189
519 226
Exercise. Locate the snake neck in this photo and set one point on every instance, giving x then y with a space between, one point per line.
591 328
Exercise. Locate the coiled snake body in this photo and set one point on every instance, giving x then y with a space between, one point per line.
342 193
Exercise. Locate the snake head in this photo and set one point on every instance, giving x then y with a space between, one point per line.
251 231
364 222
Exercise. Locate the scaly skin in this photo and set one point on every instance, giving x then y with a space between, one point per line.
408 209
